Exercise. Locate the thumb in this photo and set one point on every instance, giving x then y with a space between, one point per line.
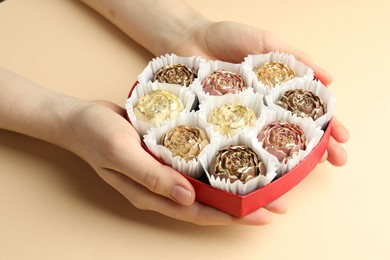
158 178
133 161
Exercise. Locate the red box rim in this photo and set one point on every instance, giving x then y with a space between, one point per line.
240 206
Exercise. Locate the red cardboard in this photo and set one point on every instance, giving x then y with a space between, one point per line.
240 206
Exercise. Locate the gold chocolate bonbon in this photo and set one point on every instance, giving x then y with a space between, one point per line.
175 74
237 162
185 141
274 73
158 106
221 82
229 119
302 103
282 139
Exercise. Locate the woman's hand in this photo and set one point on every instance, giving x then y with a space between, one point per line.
105 140
172 26
231 41
99 134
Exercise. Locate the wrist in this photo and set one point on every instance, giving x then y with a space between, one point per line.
29 109
180 33
61 110
156 25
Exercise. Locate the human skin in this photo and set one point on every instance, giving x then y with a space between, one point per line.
113 149
183 31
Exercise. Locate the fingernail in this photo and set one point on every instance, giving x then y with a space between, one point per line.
181 195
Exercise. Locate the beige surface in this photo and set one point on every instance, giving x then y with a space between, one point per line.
53 206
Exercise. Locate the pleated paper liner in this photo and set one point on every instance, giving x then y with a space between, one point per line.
240 206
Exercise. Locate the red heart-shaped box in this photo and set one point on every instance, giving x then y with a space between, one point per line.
240 206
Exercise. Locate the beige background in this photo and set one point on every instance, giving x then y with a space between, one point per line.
53 206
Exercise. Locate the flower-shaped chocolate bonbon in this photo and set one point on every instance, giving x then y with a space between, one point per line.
229 119
302 103
282 139
237 162
274 73
158 106
175 74
185 141
222 82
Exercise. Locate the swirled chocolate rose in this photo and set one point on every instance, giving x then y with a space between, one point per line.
222 82
274 73
229 119
158 106
302 103
185 141
236 162
282 139
175 74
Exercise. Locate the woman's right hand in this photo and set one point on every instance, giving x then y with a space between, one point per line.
107 141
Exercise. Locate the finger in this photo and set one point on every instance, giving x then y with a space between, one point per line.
272 43
320 73
336 153
197 213
324 157
125 154
339 131
140 166
278 206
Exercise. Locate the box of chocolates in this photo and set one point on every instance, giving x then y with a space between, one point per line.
242 134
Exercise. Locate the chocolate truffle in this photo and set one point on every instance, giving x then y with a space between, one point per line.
222 82
158 106
274 73
302 103
185 141
237 162
282 139
175 74
229 119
